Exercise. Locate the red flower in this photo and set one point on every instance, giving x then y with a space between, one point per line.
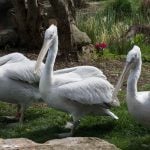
100 46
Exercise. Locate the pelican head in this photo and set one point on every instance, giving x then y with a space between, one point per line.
133 57
49 39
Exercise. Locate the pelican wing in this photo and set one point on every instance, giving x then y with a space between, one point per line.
82 72
18 67
23 71
93 90
12 58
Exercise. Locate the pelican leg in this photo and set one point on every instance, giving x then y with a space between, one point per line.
22 110
18 108
18 112
69 125
71 133
75 125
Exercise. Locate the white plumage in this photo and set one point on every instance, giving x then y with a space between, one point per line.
18 84
79 91
138 102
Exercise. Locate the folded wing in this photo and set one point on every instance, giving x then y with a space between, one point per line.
93 90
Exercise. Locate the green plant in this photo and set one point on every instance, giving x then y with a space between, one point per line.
123 7
103 26
119 46
138 39
120 8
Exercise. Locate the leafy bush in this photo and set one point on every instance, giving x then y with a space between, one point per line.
119 46
104 27
121 8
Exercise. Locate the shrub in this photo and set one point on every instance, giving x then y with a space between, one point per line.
120 8
103 26
119 46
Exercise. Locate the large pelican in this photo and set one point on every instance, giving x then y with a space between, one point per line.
79 91
138 102
17 68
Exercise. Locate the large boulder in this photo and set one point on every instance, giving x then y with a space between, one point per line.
71 143
79 38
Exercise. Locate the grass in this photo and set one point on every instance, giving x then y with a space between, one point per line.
42 124
104 25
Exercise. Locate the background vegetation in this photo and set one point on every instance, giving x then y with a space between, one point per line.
112 20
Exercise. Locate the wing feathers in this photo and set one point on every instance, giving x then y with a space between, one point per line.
23 71
93 90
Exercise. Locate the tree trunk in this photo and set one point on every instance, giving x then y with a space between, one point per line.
28 24
33 21
79 3
20 18
27 16
65 15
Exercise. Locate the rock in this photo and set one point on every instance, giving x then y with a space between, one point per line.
88 49
80 143
80 38
71 143
8 37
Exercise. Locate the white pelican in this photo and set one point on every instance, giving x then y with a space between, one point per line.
18 83
85 91
138 102
17 68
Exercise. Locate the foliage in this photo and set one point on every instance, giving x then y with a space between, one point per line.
122 46
120 8
103 26
135 5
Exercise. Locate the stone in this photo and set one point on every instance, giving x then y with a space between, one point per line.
80 38
71 143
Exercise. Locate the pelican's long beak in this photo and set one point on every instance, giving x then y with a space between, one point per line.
45 47
126 69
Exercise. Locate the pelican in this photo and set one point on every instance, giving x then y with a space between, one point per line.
78 91
138 103
17 68
18 83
